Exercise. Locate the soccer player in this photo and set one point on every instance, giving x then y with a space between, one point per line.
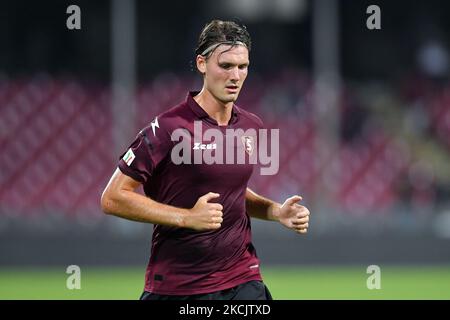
201 244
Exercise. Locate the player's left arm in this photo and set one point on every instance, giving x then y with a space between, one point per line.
290 214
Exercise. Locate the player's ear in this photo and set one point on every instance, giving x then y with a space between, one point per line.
201 64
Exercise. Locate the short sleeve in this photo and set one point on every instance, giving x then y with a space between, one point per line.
144 154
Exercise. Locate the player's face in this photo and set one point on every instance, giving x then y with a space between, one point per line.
225 72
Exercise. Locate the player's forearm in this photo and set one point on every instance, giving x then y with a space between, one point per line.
130 205
260 207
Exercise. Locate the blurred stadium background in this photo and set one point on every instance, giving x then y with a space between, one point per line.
365 139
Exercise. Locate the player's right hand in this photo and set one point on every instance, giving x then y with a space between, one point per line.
205 215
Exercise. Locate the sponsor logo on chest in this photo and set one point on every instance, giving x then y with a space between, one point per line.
204 146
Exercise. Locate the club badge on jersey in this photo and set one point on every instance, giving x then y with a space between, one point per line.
248 144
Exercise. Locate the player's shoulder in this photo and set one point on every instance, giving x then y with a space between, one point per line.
168 120
250 116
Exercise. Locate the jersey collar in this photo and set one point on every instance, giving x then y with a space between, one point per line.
202 114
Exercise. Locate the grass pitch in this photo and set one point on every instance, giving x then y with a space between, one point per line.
292 283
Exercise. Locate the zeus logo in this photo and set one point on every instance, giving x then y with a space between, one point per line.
154 125
202 146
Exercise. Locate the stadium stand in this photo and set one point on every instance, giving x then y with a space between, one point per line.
49 127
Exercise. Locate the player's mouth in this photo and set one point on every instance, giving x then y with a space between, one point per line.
232 88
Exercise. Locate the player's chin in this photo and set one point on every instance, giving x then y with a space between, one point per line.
231 96
229 99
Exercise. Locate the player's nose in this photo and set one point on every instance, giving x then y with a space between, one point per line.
235 76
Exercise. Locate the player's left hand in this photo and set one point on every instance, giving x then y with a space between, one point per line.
293 215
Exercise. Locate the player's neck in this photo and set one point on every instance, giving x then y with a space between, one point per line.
216 109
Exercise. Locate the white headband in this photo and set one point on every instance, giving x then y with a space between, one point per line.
214 46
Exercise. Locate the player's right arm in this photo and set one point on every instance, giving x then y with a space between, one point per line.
121 199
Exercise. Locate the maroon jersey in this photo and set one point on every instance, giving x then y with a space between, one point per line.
184 261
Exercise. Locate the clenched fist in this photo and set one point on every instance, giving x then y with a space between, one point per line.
205 215
293 215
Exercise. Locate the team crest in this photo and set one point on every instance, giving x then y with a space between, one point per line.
248 144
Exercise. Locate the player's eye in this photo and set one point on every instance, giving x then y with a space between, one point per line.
225 65
243 66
